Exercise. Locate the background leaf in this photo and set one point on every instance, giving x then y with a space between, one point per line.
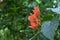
57 10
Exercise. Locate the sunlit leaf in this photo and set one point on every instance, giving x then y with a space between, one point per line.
49 27
57 10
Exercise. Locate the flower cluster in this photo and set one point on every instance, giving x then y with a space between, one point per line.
34 18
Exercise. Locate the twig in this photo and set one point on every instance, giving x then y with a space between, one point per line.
34 35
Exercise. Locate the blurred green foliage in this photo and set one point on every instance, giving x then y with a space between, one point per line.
14 18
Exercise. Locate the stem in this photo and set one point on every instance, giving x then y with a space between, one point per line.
34 35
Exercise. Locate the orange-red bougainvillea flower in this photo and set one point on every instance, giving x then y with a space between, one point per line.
34 18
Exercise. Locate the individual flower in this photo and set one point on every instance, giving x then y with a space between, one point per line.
36 12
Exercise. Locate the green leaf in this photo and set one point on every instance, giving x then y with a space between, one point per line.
49 27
